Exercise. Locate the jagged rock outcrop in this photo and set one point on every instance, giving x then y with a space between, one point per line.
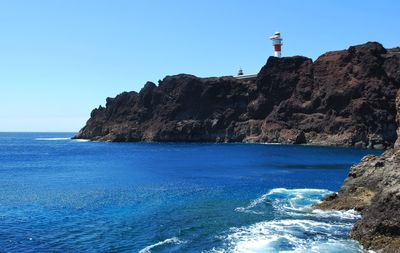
344 98
373 188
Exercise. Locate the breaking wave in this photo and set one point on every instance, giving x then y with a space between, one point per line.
52 139
173 240
296 227
81 140
285 200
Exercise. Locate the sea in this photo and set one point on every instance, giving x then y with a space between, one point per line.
64 195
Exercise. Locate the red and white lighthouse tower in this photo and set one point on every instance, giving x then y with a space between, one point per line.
277 43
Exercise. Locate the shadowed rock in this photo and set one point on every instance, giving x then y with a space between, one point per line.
344 98
373 187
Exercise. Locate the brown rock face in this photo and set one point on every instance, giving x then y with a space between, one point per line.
373 187
344 98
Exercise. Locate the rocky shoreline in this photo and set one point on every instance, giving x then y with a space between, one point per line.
373 188
344 98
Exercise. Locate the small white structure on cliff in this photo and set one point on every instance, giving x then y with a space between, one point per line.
242 76
277 43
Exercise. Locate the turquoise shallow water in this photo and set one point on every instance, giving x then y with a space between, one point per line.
60 195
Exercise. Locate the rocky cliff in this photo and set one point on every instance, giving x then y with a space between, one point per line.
344 98
373 188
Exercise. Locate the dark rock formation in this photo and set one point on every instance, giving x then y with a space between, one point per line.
373 187
344 98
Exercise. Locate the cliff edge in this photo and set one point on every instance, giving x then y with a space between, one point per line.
344 98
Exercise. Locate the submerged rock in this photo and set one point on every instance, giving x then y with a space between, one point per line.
344 98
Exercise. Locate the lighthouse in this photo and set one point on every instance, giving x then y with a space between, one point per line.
277 43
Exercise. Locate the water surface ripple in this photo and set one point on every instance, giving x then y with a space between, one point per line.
61 195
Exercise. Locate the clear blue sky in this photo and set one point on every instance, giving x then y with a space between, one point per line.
59 59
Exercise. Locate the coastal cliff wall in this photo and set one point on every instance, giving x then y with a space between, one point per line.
344 98
373 188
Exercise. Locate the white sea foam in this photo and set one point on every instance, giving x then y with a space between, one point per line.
253 204
173 240
52 139
290 236
81 140
301 229
346 214
286 200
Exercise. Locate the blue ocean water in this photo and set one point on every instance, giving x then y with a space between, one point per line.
62 195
